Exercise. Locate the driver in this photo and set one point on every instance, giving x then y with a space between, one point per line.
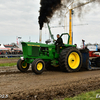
59 43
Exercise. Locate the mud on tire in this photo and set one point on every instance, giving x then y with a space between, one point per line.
22 65
70 60
38 66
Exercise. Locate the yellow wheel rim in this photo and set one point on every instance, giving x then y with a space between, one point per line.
39 66
24 65
74 60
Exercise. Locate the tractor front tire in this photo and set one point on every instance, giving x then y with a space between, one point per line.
22 65
38 66
70 60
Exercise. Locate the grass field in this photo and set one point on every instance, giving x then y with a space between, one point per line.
86 96
8 64
11 58
5 62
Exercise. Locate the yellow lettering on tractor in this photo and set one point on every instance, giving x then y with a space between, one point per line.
33 45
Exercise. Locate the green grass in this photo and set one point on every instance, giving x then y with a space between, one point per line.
11 58
7 64
86 96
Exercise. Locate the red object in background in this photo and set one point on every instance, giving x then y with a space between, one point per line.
92 54
17 42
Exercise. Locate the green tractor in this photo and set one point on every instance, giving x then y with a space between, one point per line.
44 56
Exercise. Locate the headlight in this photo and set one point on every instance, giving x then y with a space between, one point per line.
22 58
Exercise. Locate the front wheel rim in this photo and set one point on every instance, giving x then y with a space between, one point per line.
39 66
24 64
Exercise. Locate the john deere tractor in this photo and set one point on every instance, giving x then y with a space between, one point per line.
44 56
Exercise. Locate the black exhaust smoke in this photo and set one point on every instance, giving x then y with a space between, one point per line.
47 9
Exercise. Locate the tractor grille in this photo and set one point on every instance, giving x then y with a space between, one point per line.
35 51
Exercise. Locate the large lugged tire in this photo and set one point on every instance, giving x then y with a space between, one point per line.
70 60
22 65
38 66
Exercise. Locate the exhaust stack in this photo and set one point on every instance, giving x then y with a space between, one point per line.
40 36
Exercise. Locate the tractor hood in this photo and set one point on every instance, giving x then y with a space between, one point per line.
38 44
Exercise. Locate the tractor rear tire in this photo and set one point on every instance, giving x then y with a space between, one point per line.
38 66
70 60
22 65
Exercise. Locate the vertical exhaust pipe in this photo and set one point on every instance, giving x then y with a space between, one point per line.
40 36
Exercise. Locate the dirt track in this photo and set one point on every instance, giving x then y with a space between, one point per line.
46 86
9 60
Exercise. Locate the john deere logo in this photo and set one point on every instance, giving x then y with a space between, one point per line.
33 45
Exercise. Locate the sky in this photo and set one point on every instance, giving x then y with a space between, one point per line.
20 18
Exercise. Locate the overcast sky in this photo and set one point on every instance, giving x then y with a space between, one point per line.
20 18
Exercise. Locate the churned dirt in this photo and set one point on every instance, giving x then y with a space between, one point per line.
9 60
47 86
